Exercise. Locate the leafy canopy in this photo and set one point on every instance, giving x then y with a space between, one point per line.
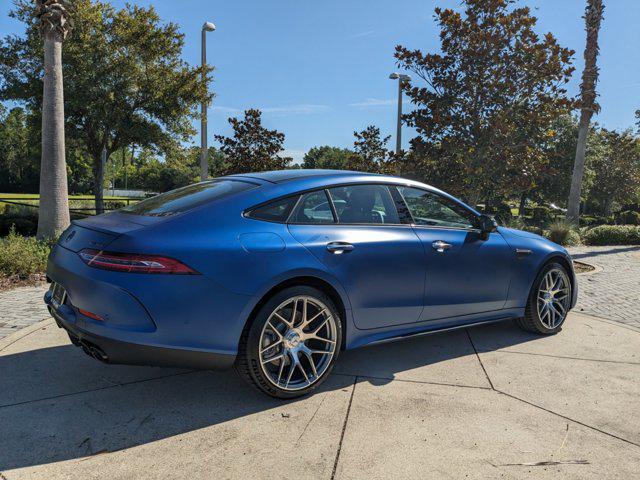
486 103
124 79
252 148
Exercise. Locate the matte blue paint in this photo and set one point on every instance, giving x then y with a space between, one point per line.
392 284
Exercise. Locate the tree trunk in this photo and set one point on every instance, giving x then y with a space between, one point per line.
53 212
573 209
98 183
593 19
523 204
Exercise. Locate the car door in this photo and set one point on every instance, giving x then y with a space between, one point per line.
376 258
467 272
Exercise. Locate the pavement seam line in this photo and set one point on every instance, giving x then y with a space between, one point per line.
561 356
35 327
479 359
344 429
595 429
124 384
441 384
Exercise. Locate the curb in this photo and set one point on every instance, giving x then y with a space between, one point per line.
23 332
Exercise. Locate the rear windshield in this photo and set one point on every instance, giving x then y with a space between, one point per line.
186 198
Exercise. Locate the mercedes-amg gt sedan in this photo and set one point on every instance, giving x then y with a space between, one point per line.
276 272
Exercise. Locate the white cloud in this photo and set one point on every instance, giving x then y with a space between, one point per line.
297 109
378 102
362 34
223 109
283 110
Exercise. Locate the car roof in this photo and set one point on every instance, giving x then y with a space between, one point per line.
280 176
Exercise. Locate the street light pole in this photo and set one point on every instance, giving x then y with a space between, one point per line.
401 78
204 161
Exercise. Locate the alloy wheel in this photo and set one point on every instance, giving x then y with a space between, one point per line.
553 298
297 343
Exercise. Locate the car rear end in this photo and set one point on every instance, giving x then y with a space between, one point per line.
127 288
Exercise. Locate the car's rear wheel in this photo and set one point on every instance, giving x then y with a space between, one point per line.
292 344
549 301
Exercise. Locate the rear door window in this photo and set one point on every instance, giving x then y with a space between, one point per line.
186 198
364 204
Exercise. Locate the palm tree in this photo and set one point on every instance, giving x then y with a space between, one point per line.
53 215
588 105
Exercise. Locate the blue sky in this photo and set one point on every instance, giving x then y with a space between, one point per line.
319 70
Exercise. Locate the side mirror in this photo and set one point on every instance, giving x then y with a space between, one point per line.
487 224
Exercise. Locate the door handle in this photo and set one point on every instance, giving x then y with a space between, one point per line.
339 247
440 246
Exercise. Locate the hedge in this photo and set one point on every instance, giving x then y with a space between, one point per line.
613 235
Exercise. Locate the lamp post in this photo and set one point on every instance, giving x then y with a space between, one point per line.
204 161
401 79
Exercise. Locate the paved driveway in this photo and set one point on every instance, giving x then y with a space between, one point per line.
613 290
489 402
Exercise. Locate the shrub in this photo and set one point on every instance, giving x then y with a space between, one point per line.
22 256
628 217
592 220
22 225
563 233
613 235
542 215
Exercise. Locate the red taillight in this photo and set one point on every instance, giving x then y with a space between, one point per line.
134 263
89 314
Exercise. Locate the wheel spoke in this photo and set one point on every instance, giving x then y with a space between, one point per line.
280 370
268 347
272 359
308 322
282 319
293 313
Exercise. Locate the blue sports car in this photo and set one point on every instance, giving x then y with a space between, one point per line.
276 272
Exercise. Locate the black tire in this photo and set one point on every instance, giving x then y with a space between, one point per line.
248 361
531 322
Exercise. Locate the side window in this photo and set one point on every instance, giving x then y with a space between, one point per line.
428 208
365 204
314 207
277 211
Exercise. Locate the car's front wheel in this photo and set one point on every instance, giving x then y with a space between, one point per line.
292 344
549 300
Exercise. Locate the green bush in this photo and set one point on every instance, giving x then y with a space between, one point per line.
613 235
22 256
628 217
563 233
542 215
22 225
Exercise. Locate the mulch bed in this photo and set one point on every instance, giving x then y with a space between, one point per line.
580 267
14 281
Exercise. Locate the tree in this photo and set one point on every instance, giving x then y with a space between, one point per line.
617 170
124 67
252 148
370 152
327 157
487 100
593 19
53 211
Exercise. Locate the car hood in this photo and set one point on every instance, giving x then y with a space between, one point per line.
520 233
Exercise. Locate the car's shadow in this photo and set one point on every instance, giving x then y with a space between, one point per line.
58 404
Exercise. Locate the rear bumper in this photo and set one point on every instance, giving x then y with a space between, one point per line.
111 350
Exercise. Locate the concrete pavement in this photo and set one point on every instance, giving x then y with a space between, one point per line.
488 402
